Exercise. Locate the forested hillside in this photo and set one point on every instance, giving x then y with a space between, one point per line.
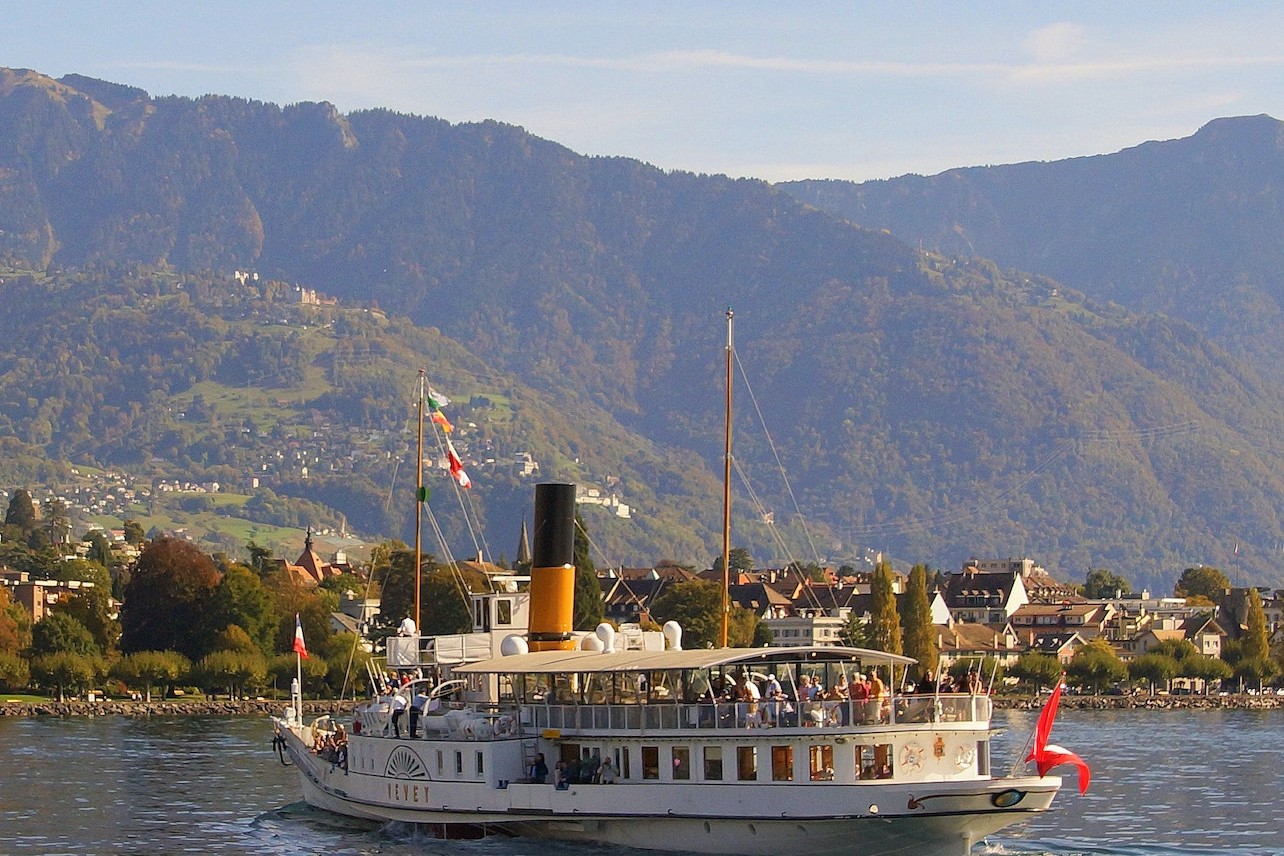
931 408
1189 228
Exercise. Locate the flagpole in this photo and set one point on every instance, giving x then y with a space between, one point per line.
298 699
726 496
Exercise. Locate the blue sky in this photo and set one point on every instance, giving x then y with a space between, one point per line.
774 90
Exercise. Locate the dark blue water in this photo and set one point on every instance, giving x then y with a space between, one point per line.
1164 783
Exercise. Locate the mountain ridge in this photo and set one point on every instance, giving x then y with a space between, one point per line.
929 406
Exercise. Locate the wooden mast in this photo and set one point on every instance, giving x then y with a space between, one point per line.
420 494
726 496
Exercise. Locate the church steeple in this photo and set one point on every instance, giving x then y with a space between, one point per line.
524 548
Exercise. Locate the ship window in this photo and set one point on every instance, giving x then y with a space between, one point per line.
746 763
821 762
481 767
874 762
782 763
459 763
681 763
983 757
713 763
650 762
504 613
622 762
441 762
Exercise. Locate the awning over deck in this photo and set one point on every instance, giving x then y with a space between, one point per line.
583 662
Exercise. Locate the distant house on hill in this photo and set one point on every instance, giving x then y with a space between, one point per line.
975 641
1089 620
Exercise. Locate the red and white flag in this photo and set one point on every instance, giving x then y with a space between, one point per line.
1045 755
299 647
456 465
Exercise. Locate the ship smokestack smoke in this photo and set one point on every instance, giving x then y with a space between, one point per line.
553 569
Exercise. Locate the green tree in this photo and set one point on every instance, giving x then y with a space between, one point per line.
150 669
697 606
917 628
15 674
134 534
58 632
1037 670
91 604
15 624
588 610
1101 583
1257 639
168 599
234 638
241 599
100 550
738 559
21 513
1096 664
1210 670
235 671
857 632
66 670
1201 582
283 668
885 623
1153 668
57 524
260 558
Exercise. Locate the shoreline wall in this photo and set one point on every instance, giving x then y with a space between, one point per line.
344 708
169 707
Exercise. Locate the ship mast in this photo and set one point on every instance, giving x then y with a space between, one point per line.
726 495
420 494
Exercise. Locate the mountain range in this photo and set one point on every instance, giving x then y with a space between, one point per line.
1072 361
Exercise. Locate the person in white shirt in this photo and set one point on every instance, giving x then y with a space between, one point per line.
399 702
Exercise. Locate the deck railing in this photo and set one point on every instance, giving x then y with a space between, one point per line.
762 714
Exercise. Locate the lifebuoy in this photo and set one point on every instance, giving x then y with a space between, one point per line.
964 757
912 757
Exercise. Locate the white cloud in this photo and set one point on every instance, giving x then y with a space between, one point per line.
1055 42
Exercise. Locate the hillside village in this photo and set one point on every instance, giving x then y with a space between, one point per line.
991 610
996 609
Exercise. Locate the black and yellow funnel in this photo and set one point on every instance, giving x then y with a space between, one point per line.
552 569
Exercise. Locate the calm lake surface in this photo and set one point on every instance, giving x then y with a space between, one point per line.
1164 782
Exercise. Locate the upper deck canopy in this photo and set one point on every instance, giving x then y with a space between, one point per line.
583 662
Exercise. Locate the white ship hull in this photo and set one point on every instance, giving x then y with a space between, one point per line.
754 819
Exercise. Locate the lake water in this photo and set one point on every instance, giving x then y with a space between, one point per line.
1164 782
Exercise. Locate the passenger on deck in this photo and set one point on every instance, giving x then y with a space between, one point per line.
877 696
771 708
417 707
398 709
539 769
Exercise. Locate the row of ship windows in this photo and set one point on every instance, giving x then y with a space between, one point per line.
718 763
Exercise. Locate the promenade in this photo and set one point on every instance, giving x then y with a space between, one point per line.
172 707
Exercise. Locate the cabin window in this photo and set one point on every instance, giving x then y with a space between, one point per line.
874 762
481 767
713 763
782 763
681 763
504 613
459 763
622 762
983 757
821 762
747 763
479 615
441 762
650 762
